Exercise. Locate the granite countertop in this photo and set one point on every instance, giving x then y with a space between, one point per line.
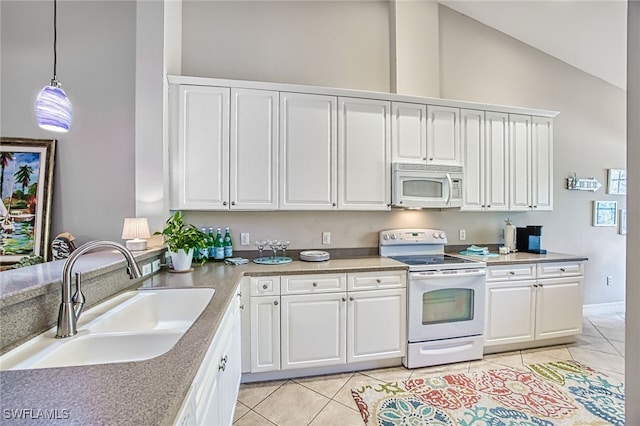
150 391
523 257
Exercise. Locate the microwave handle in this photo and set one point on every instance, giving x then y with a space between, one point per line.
450 183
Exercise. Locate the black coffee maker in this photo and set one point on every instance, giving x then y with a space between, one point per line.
528 239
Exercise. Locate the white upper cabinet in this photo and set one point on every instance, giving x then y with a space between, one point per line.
520 161
308 157
496 178
542 147
485 141
531 163
473 157
199 156
254 150
408 133
364 149
443 136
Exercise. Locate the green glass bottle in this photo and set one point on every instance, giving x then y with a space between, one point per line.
227 244
212 239
218 247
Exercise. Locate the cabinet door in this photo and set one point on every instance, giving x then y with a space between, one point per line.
473 155
376 325
199 153
496 160
308 144
364 171
520 162
542 166
443 136
231 372
559 307
408 133
510 316
254 150
265 333
313 330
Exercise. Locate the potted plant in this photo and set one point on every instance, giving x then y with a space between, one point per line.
182 239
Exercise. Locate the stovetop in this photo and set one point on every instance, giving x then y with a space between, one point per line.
431 259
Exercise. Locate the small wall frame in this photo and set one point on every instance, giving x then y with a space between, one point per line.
605 213
617 181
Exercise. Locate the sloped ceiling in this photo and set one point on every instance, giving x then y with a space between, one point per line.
590 35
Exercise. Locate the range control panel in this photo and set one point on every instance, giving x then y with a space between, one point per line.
412 236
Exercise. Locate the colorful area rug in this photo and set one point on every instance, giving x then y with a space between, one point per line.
554 393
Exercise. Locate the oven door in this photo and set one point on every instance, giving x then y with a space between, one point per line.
445 304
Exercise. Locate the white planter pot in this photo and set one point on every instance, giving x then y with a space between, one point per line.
181 260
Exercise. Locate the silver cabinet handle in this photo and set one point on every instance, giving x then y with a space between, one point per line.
264 286
511 273
378 280
224 203
561 269
351 299
344 299
233 203
275 303
315 284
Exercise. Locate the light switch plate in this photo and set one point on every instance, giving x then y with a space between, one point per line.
244 239
155 265
326 237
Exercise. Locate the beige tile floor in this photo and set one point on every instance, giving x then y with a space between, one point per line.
326 400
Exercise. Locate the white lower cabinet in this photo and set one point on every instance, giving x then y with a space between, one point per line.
313 330
212 397
376 325
309 321
531 303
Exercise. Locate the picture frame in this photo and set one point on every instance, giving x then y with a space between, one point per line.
623 222
26 181
605 213
617 181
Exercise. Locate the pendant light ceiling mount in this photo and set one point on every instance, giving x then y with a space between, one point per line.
53 108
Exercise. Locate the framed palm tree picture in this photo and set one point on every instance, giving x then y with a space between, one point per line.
26 179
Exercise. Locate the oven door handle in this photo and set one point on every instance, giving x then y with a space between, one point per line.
425 275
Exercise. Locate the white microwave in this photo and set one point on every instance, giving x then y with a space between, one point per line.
426 186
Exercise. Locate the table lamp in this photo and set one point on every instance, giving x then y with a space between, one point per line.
134 231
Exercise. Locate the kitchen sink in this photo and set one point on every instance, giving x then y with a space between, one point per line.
133 326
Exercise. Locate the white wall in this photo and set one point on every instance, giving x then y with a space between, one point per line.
323 43
94 172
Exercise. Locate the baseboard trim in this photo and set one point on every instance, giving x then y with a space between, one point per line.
603 308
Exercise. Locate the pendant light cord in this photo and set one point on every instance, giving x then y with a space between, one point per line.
55 37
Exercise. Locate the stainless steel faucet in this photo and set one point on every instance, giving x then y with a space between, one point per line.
71 306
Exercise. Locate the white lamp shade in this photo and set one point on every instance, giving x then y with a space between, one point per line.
53 109
134 230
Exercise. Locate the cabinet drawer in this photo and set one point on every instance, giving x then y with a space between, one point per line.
264 286
564 269
376 280
302 284
511 272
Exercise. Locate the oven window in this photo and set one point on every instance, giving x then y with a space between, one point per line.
447 305
422 188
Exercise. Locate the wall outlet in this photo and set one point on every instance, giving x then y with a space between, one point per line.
326 237
609 280
146 269
244 239
463 235
155 265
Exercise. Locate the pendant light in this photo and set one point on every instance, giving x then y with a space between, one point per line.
53 108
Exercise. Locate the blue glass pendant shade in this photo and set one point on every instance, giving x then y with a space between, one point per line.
53 108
